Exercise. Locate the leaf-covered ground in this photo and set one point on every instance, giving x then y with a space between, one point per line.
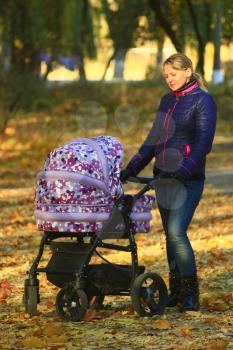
23 149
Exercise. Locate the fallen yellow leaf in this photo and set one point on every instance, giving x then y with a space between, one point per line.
193 313
52 329
161 324
57 339
218 344
34 342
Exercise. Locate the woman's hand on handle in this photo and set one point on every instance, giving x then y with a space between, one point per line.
125 174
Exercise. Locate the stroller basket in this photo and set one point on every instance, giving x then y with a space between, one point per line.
67 259
110 278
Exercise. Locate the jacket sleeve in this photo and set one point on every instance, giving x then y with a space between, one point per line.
205 130
147 150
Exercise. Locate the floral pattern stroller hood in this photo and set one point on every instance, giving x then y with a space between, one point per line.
79 185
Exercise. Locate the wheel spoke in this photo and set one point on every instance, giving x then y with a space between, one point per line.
154 287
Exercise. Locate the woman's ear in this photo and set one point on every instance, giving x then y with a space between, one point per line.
189 73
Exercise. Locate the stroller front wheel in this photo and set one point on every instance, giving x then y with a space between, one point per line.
31 296
71 303
149 294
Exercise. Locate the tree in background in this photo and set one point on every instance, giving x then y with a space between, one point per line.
183 22
122 19
22 35
168 15
78 35
217 75
149 31
209 18
201 19
30 28
60 27
226 25
57 27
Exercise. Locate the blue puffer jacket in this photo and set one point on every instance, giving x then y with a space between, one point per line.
181 135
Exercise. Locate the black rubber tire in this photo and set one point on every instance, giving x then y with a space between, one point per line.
149 294
71 305
30 299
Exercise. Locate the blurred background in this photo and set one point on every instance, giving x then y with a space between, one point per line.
84 67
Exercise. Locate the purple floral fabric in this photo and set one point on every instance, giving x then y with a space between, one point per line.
54 195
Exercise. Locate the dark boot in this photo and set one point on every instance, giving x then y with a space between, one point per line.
174 287
189 294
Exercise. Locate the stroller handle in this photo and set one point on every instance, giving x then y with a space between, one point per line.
150 183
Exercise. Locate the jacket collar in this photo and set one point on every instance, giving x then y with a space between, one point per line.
187 88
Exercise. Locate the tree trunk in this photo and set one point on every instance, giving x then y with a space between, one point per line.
201 60
10 110
165 24
24 54
217 76
119 64
81 67
159 56
81 63
201 41
108 64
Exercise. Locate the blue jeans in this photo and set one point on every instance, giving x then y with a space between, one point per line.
177 203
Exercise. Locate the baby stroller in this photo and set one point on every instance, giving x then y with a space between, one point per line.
80 206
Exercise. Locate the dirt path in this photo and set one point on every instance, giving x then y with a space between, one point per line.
221 180
219 173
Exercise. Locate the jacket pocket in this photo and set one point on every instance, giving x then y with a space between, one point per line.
184 149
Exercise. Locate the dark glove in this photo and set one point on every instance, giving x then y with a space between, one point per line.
125 174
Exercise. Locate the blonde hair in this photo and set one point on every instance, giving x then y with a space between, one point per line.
180 61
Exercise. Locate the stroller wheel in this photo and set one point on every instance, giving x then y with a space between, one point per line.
149 294
71 304
30 297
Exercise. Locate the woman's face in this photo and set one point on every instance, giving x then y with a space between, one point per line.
176 78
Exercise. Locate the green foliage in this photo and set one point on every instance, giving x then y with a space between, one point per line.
78 29
64 102
228 71
227 8
122 18
53 30
28 28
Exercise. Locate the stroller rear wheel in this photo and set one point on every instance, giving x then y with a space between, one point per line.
71 303
149 294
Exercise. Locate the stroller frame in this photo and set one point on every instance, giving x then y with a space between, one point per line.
78 288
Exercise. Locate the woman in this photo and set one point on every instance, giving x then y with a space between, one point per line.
180 138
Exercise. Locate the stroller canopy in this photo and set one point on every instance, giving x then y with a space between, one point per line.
95 162
80 184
